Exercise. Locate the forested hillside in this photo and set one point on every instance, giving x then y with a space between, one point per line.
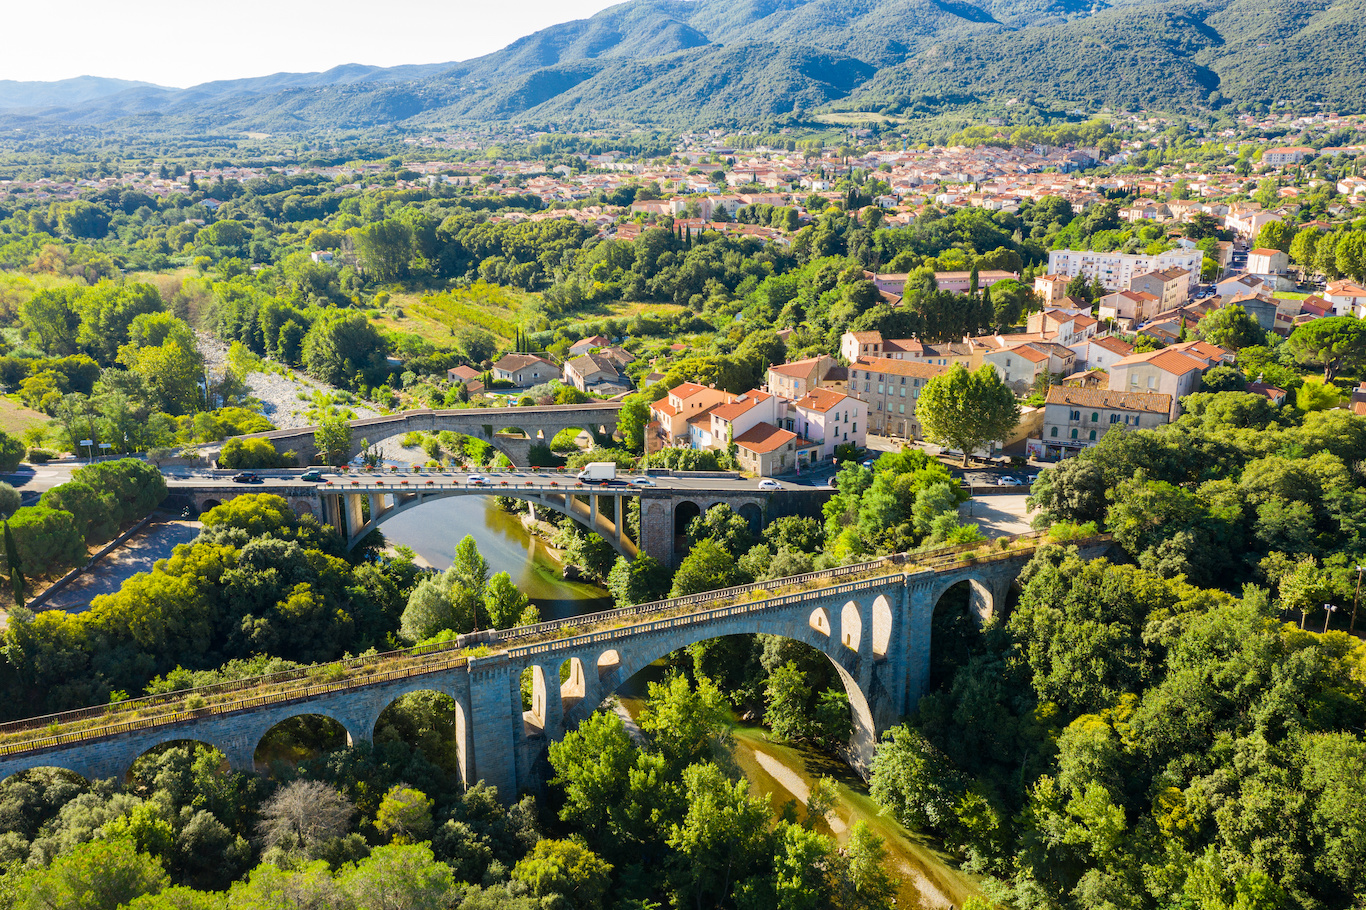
710 63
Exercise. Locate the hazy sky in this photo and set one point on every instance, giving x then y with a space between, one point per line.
172 42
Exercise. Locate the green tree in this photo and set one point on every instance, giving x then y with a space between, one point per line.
707 567
1303 247
632 420
967 411
99 875
685 722
721 840
787 702
1336 343
636 581
566 868
405 814
332 440
504 604
1276 235
1231 327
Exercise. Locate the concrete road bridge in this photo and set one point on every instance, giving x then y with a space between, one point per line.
512 431
872 622
357 503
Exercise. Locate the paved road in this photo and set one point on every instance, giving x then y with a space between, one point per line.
33 480
997 516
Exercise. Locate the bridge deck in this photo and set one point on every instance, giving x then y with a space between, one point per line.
40 733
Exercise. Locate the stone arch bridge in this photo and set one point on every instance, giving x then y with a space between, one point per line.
872 621
535 424
357 504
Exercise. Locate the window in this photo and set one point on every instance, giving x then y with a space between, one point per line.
901 409
879 388
866 387
903 380
1114 418
1054 434
1095 417
1074 433
1093 435
1076 415
855 428
903 391
879 406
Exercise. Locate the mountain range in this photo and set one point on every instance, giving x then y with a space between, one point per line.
746 63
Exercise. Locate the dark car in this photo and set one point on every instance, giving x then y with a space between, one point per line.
246 477
312 476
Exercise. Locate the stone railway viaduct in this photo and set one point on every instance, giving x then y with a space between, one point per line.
872 621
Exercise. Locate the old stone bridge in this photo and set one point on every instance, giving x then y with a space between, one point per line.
872 621
512 430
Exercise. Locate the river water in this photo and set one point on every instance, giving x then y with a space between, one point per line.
434 529
780 771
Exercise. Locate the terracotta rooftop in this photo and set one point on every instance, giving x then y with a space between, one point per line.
763 438
1148 402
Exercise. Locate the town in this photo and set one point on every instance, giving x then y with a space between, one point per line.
510 517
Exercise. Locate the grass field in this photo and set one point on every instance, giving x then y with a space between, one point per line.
15 418
1290 295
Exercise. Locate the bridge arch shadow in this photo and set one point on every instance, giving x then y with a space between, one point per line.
298 738
960 611
432 721
845 662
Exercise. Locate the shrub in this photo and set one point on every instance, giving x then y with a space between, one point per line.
45 539
136 487
40 456
11 452
239 454
92 509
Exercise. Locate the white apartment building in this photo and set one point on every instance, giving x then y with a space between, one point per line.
1116 270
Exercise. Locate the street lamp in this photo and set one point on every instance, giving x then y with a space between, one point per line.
1328 611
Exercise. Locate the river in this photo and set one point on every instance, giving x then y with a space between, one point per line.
434 530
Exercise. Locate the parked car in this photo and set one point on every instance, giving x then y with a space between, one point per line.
1007 482
246 477
311 476
768 483
476 480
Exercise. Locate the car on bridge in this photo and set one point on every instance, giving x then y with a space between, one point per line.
476 480
247 477
641 482
313 476
768 483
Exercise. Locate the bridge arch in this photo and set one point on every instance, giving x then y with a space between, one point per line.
851 626
863 737
882 622
292 738
403 501
684 512
449 701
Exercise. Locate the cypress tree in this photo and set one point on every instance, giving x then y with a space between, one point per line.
16 574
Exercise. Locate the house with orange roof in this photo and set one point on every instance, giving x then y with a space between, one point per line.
794 379
1167 371
1021 365
1077 417
830 418
767 450
890 390
1347 298
682 403
738 415
1100 353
